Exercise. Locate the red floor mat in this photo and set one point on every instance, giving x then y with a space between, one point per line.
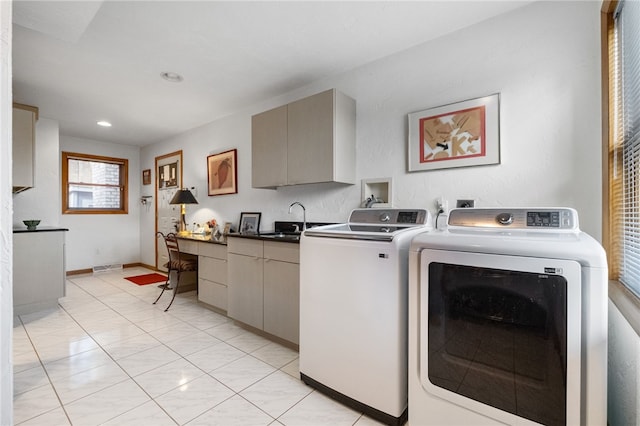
147 279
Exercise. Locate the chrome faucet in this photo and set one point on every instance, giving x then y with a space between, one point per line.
304 213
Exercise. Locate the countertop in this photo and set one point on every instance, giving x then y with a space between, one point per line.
203 238
39 229
270 236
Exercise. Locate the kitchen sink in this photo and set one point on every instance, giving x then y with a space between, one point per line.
287 231
281 236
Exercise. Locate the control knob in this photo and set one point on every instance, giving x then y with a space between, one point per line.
504 218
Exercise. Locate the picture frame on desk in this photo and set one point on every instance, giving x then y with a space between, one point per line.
227 229
250 223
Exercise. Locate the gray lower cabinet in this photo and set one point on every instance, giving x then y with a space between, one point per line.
245 281
263 286
38 270
282 290
212 274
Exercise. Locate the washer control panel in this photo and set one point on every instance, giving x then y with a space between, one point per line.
390 216
558 219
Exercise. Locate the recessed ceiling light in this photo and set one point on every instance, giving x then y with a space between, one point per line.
171 76
103 123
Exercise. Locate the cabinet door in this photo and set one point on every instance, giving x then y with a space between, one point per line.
24 121
269 148
310 139
245 289
282 299
38 270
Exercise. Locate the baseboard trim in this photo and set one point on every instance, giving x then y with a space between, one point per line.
125 265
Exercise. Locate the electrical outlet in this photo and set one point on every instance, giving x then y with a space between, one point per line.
442 205
465 203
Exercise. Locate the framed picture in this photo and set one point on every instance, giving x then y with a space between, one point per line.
457 135
222 172
250 222
168 176
227 228
146 177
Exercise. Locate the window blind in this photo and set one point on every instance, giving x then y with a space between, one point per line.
627 135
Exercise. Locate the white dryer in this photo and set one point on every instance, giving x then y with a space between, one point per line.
507 321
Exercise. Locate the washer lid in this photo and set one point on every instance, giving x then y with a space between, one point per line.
374 224
357 231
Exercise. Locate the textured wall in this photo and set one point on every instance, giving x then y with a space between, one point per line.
542 58
6 230
104 239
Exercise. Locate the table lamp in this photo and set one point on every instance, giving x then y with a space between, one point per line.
183 197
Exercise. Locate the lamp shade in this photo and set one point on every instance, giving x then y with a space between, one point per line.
183 196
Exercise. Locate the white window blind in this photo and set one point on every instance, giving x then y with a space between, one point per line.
627 132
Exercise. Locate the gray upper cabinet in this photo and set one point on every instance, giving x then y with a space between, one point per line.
307 141
24 123
269 148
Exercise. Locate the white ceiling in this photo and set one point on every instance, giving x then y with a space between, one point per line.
84 61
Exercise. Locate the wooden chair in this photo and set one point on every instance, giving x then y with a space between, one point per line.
176 263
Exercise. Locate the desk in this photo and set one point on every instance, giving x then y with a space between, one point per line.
212 268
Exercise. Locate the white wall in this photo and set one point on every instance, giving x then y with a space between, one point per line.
92 239
43 200
6 229
104 239
544 61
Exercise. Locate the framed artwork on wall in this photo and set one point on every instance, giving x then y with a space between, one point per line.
222 173
168 176
250 222
146 177
456 135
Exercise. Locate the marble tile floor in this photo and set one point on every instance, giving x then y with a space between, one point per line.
107 356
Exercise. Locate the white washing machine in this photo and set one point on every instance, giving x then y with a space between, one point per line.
353 309
508 321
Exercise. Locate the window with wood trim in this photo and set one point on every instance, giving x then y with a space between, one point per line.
94 184
623 42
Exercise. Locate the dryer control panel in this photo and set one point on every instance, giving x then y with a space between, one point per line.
552 219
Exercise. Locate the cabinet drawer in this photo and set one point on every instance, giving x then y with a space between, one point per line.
190 247
286 252
218 251
213 294
212 269
245 246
